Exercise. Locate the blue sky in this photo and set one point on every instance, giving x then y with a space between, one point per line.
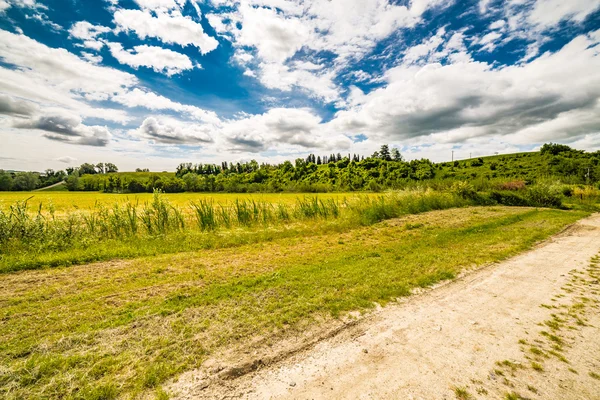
152 83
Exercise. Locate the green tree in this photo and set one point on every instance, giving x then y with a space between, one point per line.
384 153
26 181
396 156
87 169
5 180
72 182
111 168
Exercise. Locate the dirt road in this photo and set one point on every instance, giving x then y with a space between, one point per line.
487 335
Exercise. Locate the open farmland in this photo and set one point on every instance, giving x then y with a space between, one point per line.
65 202
106 330
299 199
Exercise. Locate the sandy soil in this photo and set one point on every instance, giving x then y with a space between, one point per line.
454 336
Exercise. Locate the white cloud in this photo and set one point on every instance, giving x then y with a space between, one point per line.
159 59
282 77
54 83
172 29
66 128
484 5
424 50
278 30
85 31
275 37
55 77
160 4
458 102
91 57
88 33
498 24
167 130
280 128
548 13
361 76
153 101
532 51
489 41
16 107
66 159
6 4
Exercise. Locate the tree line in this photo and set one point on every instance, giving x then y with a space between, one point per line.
27 181
384 169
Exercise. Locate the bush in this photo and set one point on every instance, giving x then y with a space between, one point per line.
477 163
508 198
464 190
567 191
544 195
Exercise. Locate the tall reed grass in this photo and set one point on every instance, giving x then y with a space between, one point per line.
24 231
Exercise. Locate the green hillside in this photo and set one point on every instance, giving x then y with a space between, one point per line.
378 172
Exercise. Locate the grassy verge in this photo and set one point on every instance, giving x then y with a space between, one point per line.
122 328
36 240
32 240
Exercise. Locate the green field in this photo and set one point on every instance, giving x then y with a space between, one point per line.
109 296
121 329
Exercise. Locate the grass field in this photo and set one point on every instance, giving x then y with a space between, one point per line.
70 201
121 328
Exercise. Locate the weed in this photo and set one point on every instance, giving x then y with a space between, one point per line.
536 366
532 389
461 393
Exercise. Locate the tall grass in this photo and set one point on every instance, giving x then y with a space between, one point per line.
32 239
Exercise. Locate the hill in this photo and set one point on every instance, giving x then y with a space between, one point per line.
375 173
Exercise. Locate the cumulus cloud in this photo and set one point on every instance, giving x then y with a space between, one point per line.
169 28
281 128
67 128
66 159
548 13
33 4
152 101
474 99
88 33
58 78
171 131
278 30
160 4
91 57
159 59
317 84
15 107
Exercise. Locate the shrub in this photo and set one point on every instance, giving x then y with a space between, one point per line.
464 190
567 191
509 198
544 195
477 163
